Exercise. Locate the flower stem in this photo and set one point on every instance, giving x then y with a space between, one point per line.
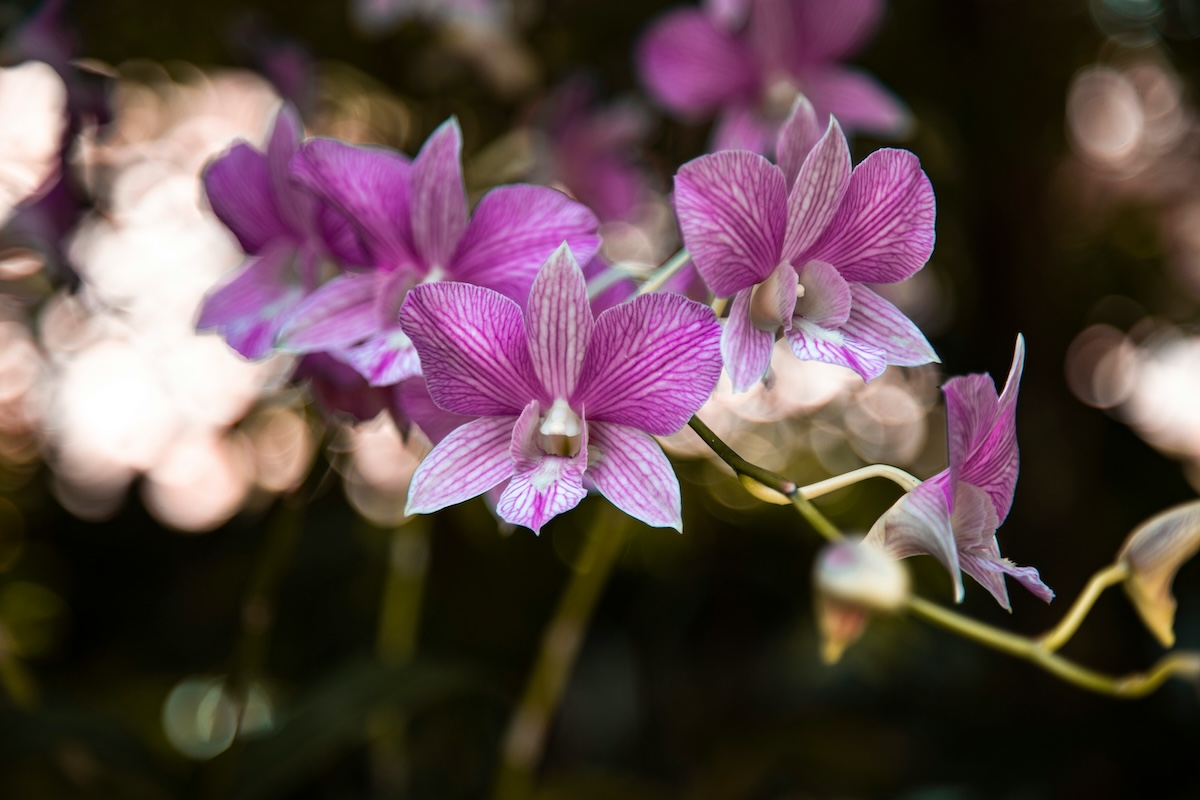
896 475
525 739
664 273
1062 632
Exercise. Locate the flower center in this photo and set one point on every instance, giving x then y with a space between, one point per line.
561 431
781 91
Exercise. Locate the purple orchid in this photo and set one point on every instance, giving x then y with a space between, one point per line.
565 401
413 222
835 231
954 515
747 61
286 235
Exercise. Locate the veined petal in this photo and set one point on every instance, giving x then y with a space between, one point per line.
371 186
880 324
472 459
919 523
732 209
439 199
249 309
797 137
295 207
690 65
238 185
472 346
514 230
812 342
542 486
741 126
857 99
745 349
982 432
883 230
629 468
341 237
990 574
384 359
559 322
651 364
342 312
817 192
826 299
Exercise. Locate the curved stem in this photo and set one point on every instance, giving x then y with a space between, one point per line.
1061 633
664 273
525 739
896 475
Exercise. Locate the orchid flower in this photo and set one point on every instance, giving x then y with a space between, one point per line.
564 401
412 219
954 515
747 61
799 260
286 235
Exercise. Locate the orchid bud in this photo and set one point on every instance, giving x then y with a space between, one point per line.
853 580
1153 553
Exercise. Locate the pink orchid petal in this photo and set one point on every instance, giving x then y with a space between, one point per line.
471 460
741 126
341 237
514 230
691 66
629 468
249 309
732 209
473 350
412 396
542 486
826 300
811 342
857 99
745 349
771 33
439 198
385 358
341 313
797 137
369 185
728 14
880 324
982 432
883 231
295 207
919 524
990 572
651 364
817 192
831 31
338 388
559 322
238 185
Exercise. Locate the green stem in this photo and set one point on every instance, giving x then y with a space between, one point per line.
896 475
525 738
664 273
1065 629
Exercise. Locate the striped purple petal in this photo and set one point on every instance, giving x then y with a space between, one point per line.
880 324
559 322
439 198
542 486
629 468
471 460
918 524
745 350
817 192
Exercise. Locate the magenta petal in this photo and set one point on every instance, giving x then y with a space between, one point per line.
467 463
342 312
732 209
741 126
249 309
238 184
797 137
559 322
691 66
817 192
295 207
514 230
412 396
811 342
883 231
629 468
651 364
982 432
858 100
829 31
745 349
880 324
827 299
384 359
439 199
370 186
919 523
542 486
472 346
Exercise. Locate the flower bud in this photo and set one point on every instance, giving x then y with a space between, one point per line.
1153 553
853 580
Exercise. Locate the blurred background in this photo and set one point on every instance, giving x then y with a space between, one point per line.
174 519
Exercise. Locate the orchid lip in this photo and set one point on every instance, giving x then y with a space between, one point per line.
763 311
561 430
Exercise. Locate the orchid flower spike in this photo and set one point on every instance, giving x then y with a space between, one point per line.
565 401
954 515
796 245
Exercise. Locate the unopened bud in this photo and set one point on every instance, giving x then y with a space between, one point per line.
852 581
1153 553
